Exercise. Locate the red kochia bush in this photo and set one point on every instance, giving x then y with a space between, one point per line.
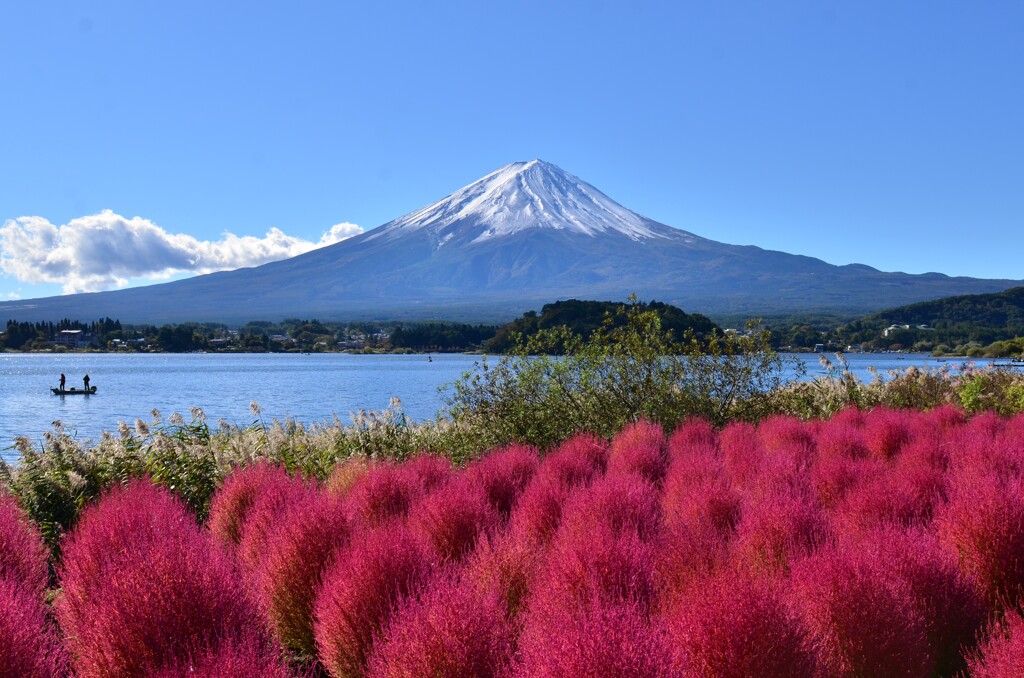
28 646
279 492
601 584
864 622
887 495
692 434
695 466
982 525
576 461
231 503
640 448
599 566
842 438
143 588
774 532
450 629
22 552
127 521
700 503
833 477
885 432
345 474
1002 653
735 625
952 609
359 590
987 425
943 418
787 436
505 563
742 453
539 510
383 492
452 518
621 503
602 640
309 535
428 471
686 555
974 457
230 659
504 474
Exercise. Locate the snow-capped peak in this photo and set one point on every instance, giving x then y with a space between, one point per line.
525 195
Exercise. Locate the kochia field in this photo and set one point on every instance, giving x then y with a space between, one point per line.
881 543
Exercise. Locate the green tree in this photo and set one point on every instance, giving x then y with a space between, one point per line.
628 369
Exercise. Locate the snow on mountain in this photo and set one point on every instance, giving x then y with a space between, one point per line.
522 196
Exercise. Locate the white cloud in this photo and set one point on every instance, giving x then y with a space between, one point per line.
104 251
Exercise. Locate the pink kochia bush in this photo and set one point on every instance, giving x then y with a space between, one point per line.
506 564
144 588
640 448
605 639
22 552
231 504
581 568
384 492
865 621
359 591
304 542
620 503
28 645
539 510
577 461
504 474
588 609
885 432
775 531
450 628
452 518
427 471
1002 653
738 625
982 525
278 492
952 608
230 659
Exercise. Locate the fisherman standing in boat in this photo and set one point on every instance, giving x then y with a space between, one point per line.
86 380
62 381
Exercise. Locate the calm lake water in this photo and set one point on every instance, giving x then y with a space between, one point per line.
308 388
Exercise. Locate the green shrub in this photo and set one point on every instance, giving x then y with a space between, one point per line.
625 372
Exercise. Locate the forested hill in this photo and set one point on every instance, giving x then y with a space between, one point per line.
952 324
1001 309
583 317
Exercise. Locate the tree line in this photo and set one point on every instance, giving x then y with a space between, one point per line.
581 318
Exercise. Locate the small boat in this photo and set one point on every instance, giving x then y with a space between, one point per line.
73 391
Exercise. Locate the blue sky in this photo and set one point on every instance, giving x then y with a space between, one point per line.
141 141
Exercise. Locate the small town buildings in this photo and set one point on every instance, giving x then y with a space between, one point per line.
74 339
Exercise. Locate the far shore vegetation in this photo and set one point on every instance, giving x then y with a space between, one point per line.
975 326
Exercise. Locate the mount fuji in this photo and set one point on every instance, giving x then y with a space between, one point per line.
524 235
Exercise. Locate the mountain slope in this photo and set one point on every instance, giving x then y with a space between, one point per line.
526 234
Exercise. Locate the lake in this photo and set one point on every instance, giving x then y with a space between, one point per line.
306 387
